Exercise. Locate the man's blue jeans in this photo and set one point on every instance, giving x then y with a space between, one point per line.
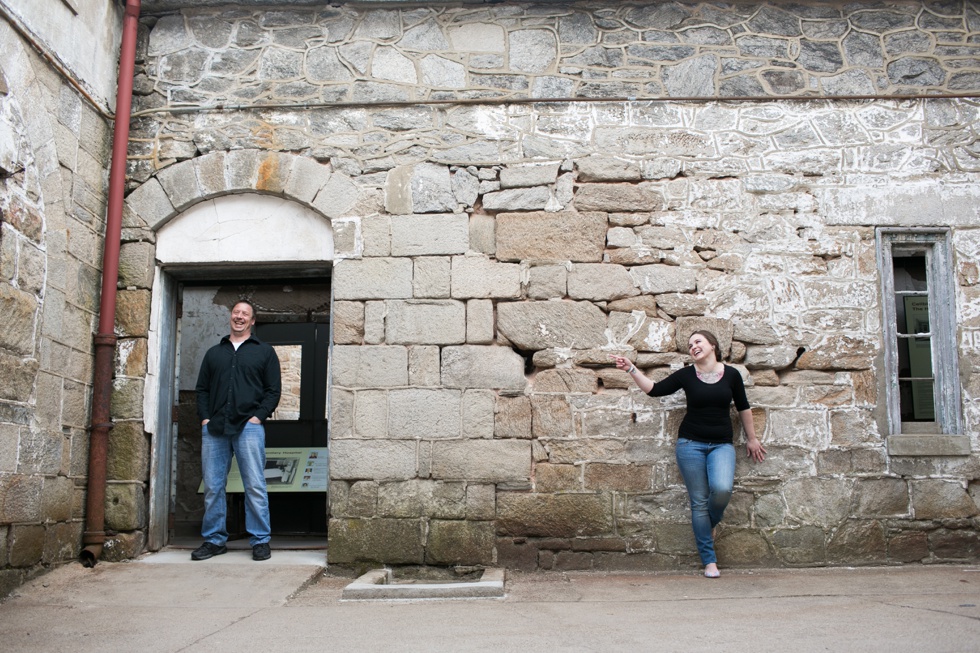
709 474
248 448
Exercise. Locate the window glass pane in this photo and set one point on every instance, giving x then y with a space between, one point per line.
290 365
914 358
912 313
917 401
910 272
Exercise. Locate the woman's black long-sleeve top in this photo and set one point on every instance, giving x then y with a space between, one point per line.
708 417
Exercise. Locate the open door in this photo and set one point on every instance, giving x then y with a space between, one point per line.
299 426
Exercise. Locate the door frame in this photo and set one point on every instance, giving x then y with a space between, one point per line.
160 389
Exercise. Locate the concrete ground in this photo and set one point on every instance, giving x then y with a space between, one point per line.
164 602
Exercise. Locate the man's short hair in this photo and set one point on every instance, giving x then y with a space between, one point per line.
244 301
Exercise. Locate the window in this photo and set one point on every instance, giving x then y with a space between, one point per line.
921 379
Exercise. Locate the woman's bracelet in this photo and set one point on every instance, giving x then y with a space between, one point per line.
631 370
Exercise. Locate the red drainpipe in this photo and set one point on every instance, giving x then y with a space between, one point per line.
105 338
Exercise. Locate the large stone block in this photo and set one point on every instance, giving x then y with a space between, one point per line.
127 398
553 515
513 417
20 498
56 497
806 545
566 380
858 541
477 413
517 199
475 366
63 542
426 322
348 323
551 416
124 546
884 497
775 357
600 282
547 282
838 352
481 501
424 413
131 356
373 278
430 235
18 319
18 376
374 322
359 499
744 548
941 499
9 446
479 322
371 414
617 477
341 413
133 312
482 460
481 278
541 325
136 265
128 458
529 174
422 498
559 236
125 506
385 541
423 365
373 459
460 543
26 545
431 277
819 501
369 366
617 197
657 279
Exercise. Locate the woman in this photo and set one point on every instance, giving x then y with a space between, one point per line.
705 453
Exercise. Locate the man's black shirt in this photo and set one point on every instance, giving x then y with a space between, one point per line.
236 385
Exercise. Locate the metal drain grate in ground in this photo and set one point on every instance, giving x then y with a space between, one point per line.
379 584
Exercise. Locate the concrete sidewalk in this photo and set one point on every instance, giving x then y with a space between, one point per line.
163 602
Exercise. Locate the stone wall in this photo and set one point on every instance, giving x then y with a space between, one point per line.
504 247
54 155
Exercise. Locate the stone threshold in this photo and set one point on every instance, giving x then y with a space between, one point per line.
380 585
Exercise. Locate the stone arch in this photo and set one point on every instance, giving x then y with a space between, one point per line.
179 187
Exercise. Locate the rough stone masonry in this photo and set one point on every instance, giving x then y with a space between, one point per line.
515 196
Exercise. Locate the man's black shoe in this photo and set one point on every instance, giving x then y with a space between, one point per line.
261 552
208 550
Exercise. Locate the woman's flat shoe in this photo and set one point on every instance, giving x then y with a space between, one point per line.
712 573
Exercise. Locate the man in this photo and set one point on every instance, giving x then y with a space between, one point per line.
238 388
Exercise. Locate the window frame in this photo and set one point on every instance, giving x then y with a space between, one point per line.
935 244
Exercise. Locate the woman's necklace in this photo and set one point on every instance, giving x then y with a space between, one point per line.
710 377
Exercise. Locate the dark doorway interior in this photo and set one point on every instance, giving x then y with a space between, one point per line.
294 318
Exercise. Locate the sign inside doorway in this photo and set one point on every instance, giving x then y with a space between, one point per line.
294 469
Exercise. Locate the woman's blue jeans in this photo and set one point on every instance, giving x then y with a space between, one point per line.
248 447
709 474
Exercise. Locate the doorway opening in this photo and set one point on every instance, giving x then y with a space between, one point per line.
293 315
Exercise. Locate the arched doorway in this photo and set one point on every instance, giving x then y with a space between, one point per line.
279 254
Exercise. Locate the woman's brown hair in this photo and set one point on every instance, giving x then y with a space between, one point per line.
710 337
